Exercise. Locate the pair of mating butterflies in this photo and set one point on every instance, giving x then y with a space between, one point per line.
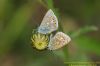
41 40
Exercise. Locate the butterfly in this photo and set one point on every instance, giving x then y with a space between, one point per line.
49 23
43 37
58 41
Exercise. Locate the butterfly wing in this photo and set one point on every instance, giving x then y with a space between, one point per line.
49 23
58 41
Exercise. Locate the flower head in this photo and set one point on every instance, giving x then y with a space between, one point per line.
40 41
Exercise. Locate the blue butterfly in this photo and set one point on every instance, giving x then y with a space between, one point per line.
49 23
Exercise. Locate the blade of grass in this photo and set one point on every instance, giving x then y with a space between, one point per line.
14 28
83 30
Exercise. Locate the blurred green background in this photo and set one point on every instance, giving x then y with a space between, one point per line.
80 19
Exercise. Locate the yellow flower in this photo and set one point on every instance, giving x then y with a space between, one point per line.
40 41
